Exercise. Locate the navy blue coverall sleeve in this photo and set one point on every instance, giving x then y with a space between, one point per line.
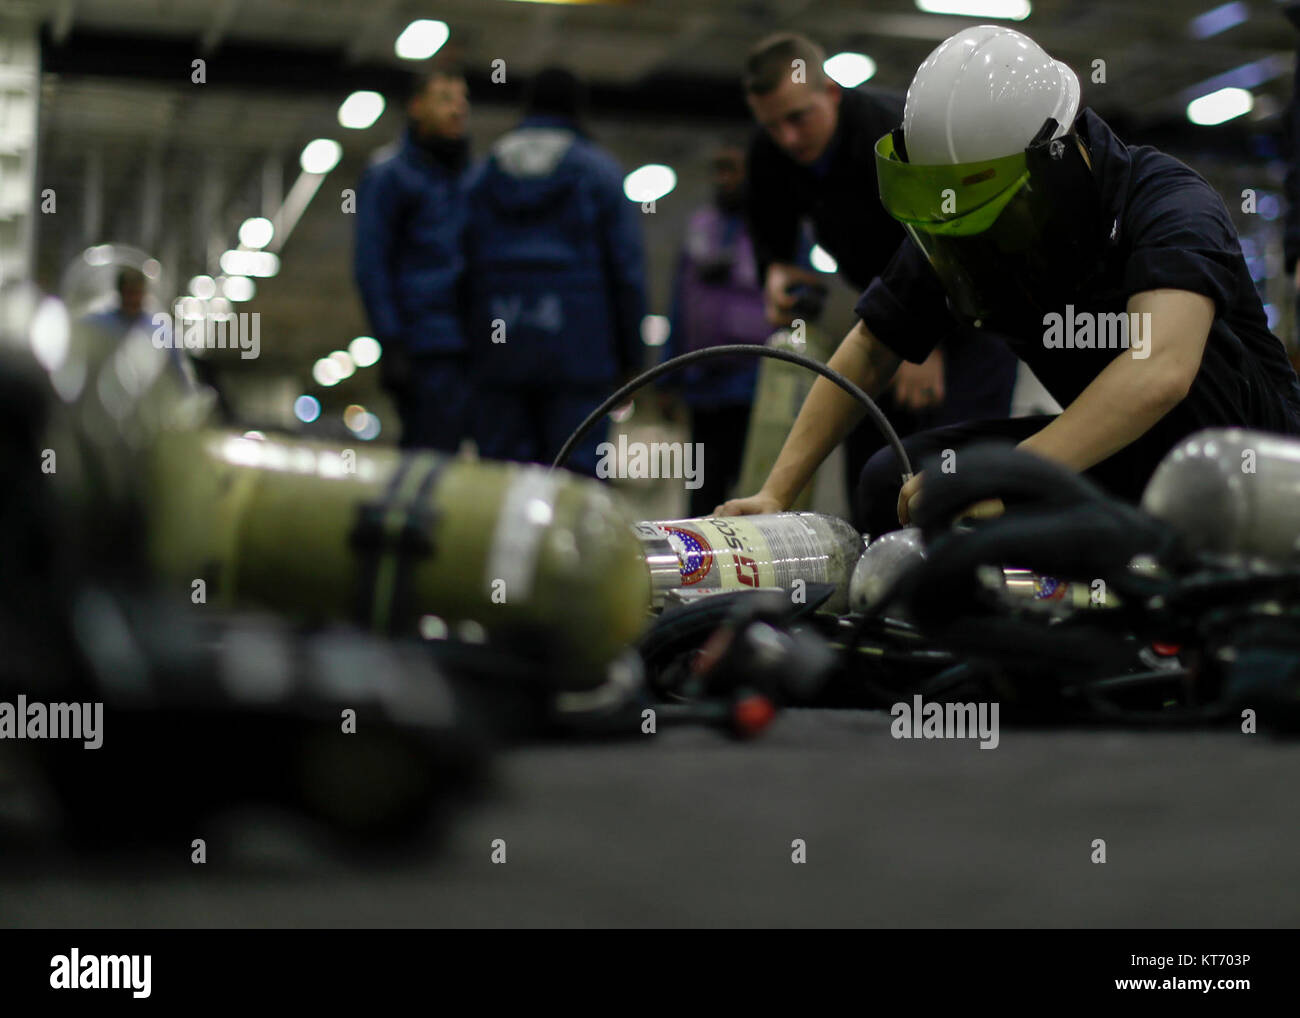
905 307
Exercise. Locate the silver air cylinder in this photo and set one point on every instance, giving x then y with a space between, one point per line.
750 552
1229 490
891 555
886 559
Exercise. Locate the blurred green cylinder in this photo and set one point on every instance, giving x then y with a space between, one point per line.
544 562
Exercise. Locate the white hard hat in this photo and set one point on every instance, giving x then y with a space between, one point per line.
985 93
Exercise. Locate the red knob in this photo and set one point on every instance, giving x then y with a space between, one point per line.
751 714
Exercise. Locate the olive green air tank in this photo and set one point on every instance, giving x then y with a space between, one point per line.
384 538
542 564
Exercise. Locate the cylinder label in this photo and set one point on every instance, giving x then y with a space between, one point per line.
733 553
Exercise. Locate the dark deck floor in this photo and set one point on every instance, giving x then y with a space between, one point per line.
687 828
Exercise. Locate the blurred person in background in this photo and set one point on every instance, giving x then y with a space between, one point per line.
815 158
130 311
556 280
717 300
136 311
408 262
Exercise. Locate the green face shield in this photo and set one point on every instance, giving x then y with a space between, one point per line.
1003 235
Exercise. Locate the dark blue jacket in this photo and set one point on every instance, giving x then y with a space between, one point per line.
555 266
408 260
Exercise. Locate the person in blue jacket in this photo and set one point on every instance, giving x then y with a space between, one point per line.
135 310
408 262
556 283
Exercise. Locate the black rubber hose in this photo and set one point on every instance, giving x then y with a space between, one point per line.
646 377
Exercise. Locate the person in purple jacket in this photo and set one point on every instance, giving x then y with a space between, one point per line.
718 299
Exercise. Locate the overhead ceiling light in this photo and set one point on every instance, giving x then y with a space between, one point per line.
1250 75
369 431
354 416
1218 19
655 329
849 70
821 259
365 351
235 263
1219 107
262 264
421 39
256 232
238 288
321 155
191 308
343 361
306 408
649 183
49 334
326 372
203 287
360 110
1009 10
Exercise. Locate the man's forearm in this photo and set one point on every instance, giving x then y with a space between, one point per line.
1133 392
1119 406
829 413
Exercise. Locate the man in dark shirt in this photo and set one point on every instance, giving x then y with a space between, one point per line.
815 159
1107 230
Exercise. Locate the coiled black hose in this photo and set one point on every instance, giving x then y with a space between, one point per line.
646 377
